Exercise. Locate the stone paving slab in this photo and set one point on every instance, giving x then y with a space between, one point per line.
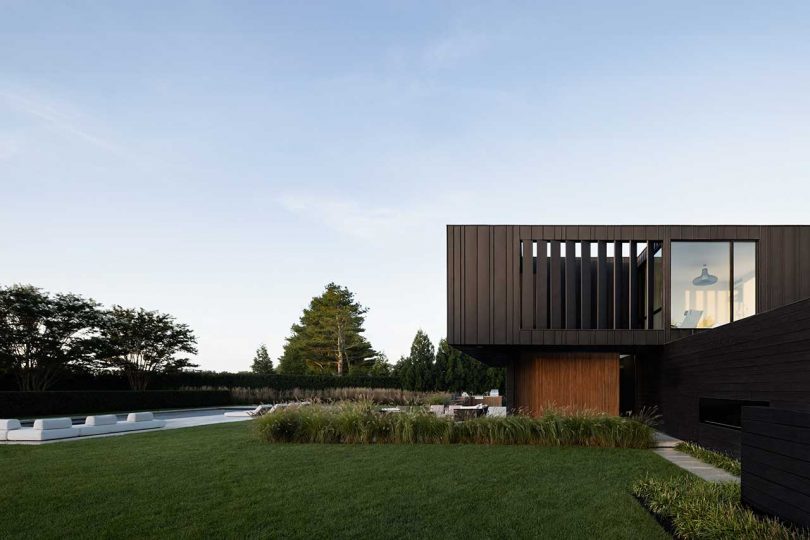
665 447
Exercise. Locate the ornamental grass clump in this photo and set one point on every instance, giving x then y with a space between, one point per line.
692 508
718 459
363 423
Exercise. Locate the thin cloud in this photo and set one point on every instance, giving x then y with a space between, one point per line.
58 119
342 214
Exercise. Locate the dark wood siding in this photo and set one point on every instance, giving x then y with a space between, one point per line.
762 358
488 297
776 462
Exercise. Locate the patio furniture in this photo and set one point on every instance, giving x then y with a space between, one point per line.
468 412
46 429
8 425
438 410
108 423
496 411
258 411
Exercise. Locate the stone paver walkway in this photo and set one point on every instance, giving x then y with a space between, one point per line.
665 447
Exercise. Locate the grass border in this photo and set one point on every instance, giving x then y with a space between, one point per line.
718 459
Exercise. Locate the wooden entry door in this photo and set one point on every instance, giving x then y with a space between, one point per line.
576 380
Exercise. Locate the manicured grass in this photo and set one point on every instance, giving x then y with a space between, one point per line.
220 481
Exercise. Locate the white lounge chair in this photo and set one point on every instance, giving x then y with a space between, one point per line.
10 424
46 429
258 411
108 423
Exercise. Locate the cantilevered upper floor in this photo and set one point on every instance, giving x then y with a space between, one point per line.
615 286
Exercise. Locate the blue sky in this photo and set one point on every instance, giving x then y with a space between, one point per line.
223 161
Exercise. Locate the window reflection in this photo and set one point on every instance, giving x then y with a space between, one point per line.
701 284
745 289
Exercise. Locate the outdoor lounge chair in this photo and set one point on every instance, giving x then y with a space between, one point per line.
108 423
258 411
8 425
46 429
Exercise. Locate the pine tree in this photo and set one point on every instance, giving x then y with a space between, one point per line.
459 372
380 367
329 336
262 363
417 370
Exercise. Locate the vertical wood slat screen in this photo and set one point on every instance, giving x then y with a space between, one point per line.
579 292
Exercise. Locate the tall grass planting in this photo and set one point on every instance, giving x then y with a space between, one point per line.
362 423
692 508
381 396
718 459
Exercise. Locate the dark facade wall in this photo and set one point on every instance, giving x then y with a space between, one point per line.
776 463
487 296
763 358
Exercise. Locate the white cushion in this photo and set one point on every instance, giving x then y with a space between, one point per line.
140 416
496 411
52 423
119 427
89 429
31 434
8 425
101 420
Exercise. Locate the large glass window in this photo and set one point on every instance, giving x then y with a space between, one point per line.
701 284
745 280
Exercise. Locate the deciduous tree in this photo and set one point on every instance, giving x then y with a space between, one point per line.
140 343
43 336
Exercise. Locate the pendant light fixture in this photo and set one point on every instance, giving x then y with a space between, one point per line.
705 278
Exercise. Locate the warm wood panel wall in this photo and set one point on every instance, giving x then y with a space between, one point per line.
579 380
762 358
488 297
776 462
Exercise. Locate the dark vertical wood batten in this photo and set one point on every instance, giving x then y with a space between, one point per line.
601 285
570 285
618 287
649 286
555 270
541 287
585 295
632 289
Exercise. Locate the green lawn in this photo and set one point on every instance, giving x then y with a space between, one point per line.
218 481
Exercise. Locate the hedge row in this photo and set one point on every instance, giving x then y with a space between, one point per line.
174 381
35 404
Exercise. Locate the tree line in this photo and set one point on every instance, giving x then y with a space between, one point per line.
328 339
43 336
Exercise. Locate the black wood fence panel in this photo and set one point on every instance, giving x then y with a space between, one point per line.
776 462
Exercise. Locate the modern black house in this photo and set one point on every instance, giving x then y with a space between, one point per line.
697 320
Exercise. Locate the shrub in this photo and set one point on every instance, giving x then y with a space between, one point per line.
362 423
718 459
693 508
31 404
381 396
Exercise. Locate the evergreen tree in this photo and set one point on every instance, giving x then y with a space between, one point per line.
417 371
380 367
329 336
459 372
262 363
